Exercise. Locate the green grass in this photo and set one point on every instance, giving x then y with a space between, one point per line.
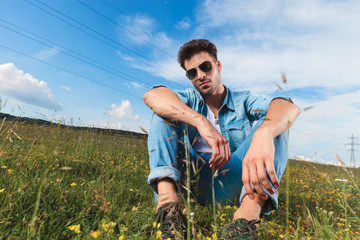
55 177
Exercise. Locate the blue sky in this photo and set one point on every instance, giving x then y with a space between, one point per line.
90 62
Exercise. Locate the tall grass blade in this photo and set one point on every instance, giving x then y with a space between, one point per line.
32 225
188 179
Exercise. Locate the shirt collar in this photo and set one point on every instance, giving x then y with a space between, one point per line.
228 101
199 96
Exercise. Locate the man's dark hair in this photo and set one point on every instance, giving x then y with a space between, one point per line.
195 46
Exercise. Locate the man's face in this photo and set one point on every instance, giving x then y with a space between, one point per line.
207 83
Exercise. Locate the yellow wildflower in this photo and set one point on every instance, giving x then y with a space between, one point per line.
131 189
106 227
2 190
73 184
121 237
75 228
95 234
158 234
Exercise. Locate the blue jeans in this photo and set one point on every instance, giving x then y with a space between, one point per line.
167 153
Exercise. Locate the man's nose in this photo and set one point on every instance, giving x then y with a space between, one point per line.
200 74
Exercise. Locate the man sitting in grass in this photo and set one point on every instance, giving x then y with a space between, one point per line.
215 124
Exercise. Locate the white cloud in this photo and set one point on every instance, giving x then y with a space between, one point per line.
47 54
168 69
122 111
125 56
140 29
163 49
184 24
137 85
25 88
66 88
234 11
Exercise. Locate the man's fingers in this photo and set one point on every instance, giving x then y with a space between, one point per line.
272 173
263 179
226 155
214 155
220 154
256 182
228 152
222 160
246 182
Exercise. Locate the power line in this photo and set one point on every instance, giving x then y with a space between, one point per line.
149 61
352 149
122 13
88 61
71 72
115 8
125 29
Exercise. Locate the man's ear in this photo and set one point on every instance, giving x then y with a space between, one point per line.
219 65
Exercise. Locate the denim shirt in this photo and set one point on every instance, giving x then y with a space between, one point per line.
236 116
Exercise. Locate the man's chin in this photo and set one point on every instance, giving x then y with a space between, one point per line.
206 92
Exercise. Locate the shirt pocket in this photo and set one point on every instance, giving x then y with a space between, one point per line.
237 134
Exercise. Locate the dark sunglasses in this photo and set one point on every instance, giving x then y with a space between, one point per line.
205 67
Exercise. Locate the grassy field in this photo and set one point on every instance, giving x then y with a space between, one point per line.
65 183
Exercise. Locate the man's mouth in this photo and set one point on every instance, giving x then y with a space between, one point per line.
204 83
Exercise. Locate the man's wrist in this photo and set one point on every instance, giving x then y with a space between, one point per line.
266 128
199 120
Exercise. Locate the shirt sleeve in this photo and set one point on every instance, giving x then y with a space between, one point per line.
186 96
258 105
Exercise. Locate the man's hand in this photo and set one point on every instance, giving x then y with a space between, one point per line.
260 156
219 144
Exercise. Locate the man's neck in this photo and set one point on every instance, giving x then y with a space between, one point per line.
215 100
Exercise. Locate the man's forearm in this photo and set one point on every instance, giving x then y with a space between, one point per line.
280 116
166 104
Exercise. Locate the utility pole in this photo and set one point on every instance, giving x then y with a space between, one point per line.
352 150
